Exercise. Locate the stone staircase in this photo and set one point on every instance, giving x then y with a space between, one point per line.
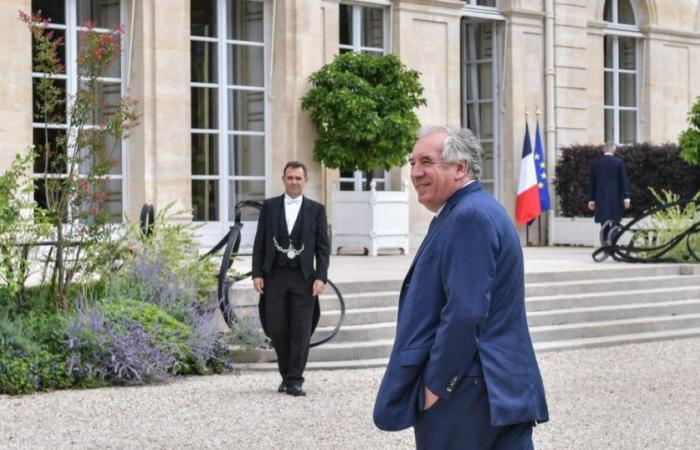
567 309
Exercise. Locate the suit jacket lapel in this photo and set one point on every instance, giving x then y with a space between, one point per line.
305 219
276 213
441 219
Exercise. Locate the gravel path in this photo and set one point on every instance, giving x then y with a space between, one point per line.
632 397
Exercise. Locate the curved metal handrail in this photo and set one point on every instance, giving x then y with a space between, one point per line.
652 253
231 243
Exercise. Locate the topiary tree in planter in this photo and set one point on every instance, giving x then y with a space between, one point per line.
689 140
363 108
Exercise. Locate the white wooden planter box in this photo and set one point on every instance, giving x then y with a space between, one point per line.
581 231
370 219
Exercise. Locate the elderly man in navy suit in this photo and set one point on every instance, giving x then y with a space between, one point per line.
608 191
462 371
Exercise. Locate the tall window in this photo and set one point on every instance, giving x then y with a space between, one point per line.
480 92
67 20
228 107
621 67
362 29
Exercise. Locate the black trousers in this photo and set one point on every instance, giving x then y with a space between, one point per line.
289 307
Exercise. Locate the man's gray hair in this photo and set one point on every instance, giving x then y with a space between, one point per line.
609 147
459 145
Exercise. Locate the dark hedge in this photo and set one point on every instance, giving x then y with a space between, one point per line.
657 166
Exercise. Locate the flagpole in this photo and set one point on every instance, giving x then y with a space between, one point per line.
539 218
527 226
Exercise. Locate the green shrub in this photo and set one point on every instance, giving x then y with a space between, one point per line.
648 166
363 106
689 139
24 371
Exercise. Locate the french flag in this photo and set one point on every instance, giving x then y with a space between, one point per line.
527 204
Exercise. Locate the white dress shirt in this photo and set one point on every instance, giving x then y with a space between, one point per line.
291 210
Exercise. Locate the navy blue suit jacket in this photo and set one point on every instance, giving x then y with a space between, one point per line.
464 297
608 188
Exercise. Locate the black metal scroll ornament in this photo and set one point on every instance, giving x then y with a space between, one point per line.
231 243
644 245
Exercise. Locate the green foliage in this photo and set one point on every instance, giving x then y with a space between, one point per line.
648 166
363 108
668 223
689 140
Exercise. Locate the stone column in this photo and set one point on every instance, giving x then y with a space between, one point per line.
426 37
159 163
15 82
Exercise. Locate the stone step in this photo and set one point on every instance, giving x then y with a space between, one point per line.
363 332
610 285
619 339
361 300
540 347
554 302
615 312
359 316
604 273
582 330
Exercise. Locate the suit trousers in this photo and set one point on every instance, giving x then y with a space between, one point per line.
463 422
289 307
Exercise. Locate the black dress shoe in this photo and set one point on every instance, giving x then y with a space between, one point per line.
283 387
295 390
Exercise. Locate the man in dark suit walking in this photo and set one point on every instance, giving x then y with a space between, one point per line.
462 371
608 190
291 234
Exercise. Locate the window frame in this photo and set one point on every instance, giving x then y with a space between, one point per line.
358 177
496 91
615 31
71 30
212 230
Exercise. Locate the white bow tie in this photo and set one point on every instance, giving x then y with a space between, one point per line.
293 201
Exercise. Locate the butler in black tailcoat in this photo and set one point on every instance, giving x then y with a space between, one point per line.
291 234
608 190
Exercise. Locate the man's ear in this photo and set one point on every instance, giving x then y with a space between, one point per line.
461 170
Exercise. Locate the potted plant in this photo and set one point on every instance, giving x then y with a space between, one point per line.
363 106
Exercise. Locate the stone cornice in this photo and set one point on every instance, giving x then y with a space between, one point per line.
519 12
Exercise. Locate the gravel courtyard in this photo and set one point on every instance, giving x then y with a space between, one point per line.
631 397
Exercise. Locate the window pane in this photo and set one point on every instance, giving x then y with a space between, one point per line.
628 53
491 3
205 200
608 52
246 190
50 148
485 77
102 13
608 13
248 155
53 9
625 13
107 97
345 50
487 169
246 110
55 114
628 127
374 52
114 68
246 65
60 52
203 66
609 92
485 121
609 125
205 154
372 27
347 185
109 199
479 41
107 155
204 108
345 24
628 89
203 18
471 119
246 21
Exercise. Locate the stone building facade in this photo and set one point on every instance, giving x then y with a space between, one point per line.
220 80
